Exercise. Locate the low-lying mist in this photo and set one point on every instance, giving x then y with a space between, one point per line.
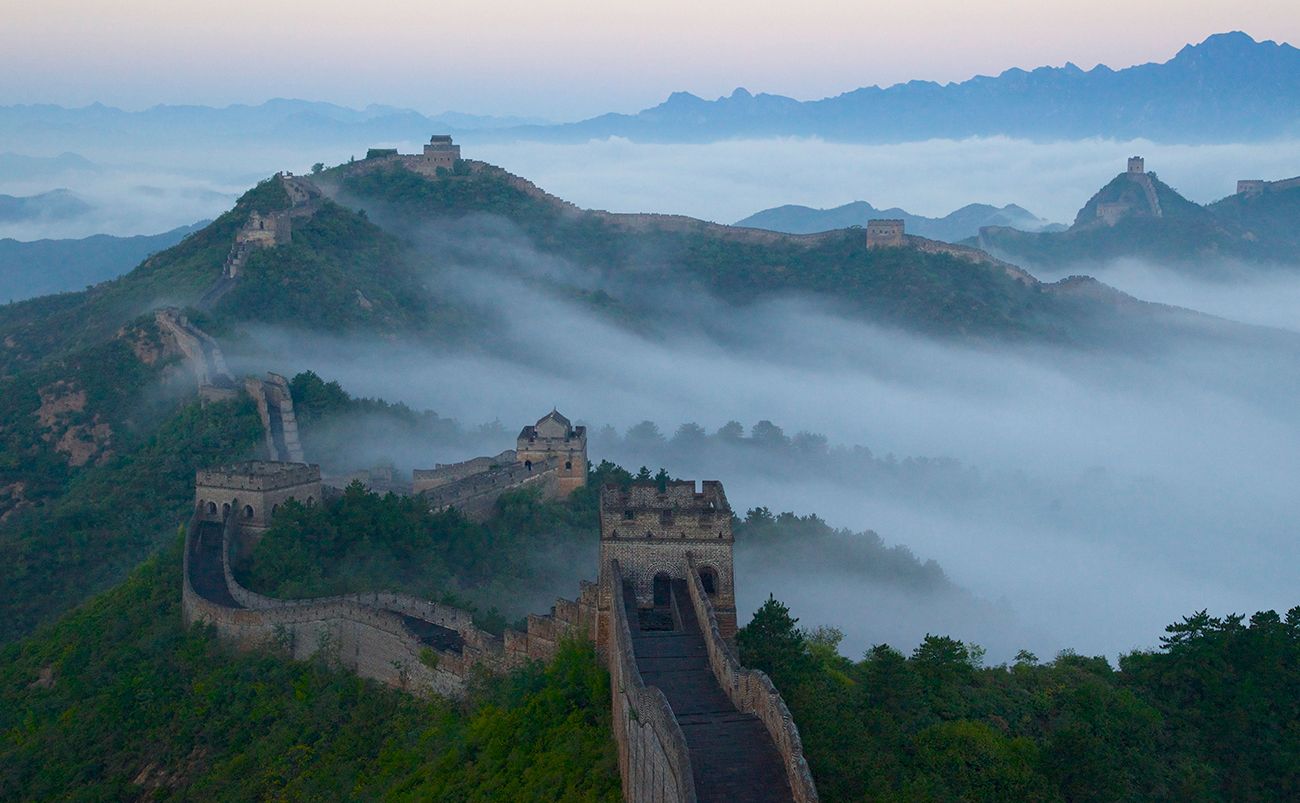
1096 495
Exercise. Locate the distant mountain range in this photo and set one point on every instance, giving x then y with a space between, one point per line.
52 205
30 269
1228 88
953 227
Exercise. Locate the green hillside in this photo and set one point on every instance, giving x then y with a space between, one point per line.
629 255
118 701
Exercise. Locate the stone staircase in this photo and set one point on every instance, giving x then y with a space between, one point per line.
732 755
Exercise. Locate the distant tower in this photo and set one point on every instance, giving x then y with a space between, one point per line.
441 152
884 233
1250 186
553 438
1136 164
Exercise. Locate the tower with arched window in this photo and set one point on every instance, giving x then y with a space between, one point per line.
252 491
656 532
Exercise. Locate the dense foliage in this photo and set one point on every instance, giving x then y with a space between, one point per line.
92 530
529 552
1212 715
119 701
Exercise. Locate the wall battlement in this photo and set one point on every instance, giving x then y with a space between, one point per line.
1257 186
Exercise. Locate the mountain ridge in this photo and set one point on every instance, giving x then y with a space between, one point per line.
954 227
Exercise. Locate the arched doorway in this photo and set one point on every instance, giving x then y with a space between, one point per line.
709 579
248 511
663 585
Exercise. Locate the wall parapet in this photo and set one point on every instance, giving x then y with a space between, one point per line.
400 640
752 692
653 759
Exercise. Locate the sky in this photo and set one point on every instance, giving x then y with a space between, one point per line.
569 59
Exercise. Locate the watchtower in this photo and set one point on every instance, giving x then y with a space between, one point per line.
252 491
1250 186
1136 164
651 529
441 152
554 439
884 233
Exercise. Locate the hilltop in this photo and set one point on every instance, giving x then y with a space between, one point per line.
1137 215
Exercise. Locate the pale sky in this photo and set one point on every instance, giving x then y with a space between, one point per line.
567 59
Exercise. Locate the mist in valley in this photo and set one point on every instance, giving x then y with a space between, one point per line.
1075 497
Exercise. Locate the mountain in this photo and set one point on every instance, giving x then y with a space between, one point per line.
41 267
16 166
1228 88
953 227
1137 215
52 205
164 128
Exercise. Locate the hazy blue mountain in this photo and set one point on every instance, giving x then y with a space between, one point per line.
278 121
52 205
1227 88
16 166
959 225
30 269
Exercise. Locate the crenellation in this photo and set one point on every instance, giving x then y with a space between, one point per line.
885 233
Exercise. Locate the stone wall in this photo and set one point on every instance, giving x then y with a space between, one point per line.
202 354
366 632
752 692
425 479
275 407
652 756
475 496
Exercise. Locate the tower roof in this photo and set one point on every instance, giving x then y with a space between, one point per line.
556 416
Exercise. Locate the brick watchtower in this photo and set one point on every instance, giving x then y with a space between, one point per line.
886 233
554 438
650 532
252 491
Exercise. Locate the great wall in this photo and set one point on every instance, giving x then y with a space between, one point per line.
690 722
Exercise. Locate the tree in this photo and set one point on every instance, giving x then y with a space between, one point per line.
773 643
731 432
769 435
645 435
318 168
690 436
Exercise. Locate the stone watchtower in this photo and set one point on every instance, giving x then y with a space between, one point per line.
651 532
554 442
884 233
1136 164
252 491
440 152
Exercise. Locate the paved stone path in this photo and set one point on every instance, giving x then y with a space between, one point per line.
732 755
